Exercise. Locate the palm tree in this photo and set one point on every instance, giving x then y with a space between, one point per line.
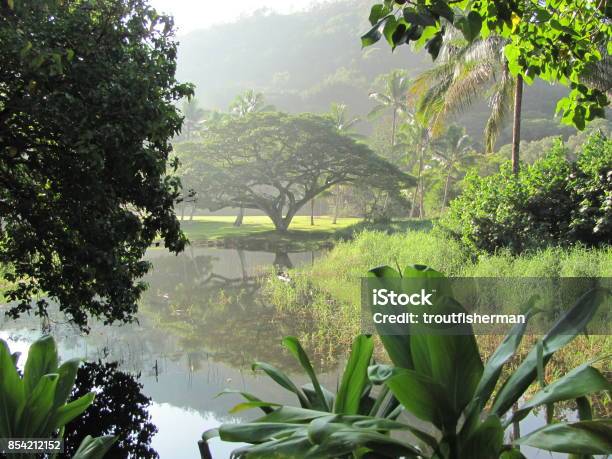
452 150
415 136
243 104
393 98
249 102
464 72
192 115
344 124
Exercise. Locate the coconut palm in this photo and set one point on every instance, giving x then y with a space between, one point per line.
249 102
452 150
414 137
344 124
463 73
393 98
193 116
243 104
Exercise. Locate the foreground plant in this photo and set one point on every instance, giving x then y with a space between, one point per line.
35 405
441 381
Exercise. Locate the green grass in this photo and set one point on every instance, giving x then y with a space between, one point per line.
330 288
258 231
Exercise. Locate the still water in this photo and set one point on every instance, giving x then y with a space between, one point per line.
202 323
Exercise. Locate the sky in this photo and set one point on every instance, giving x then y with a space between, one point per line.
191 15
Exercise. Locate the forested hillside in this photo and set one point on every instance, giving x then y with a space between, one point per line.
305 61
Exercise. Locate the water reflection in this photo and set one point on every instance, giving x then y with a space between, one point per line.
201 324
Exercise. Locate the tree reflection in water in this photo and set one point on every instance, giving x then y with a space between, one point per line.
214 307
120 409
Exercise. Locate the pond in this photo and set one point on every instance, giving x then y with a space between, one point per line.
202 323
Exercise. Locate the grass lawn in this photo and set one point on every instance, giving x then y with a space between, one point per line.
258 231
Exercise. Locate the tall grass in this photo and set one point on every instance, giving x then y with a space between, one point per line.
330 290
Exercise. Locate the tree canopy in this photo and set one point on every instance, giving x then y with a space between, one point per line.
87 108
555 40
277 162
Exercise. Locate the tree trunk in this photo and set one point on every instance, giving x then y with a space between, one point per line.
183 210
516 128
446 185
239 217
336 205
193 209
312 206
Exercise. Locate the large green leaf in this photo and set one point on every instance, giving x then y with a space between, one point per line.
94 448
485 442
397 346
294 346
418 393
355 377
283 380
38 408
581 381
565 330
42 360
257 432
249 397
291 414
452 361
12 393
67 376
493 368
69 411
583 437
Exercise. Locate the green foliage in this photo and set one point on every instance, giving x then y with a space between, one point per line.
351 404
34 405
441 380
277 163
552 202
557 41
87 108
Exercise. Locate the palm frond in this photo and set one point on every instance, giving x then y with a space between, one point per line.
501 103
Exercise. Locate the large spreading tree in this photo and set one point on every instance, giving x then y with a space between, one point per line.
87 108
277 162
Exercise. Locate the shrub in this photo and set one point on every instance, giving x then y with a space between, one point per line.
552 202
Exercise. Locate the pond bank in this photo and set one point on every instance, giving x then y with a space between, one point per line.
258 233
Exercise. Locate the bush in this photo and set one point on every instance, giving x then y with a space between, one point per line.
552 202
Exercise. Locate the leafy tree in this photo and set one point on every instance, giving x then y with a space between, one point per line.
87 108
277 163
453 151
557 40
392 98
119 409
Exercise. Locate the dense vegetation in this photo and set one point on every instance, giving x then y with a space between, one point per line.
87 111
554 201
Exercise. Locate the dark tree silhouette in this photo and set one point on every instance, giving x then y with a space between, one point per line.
120 409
